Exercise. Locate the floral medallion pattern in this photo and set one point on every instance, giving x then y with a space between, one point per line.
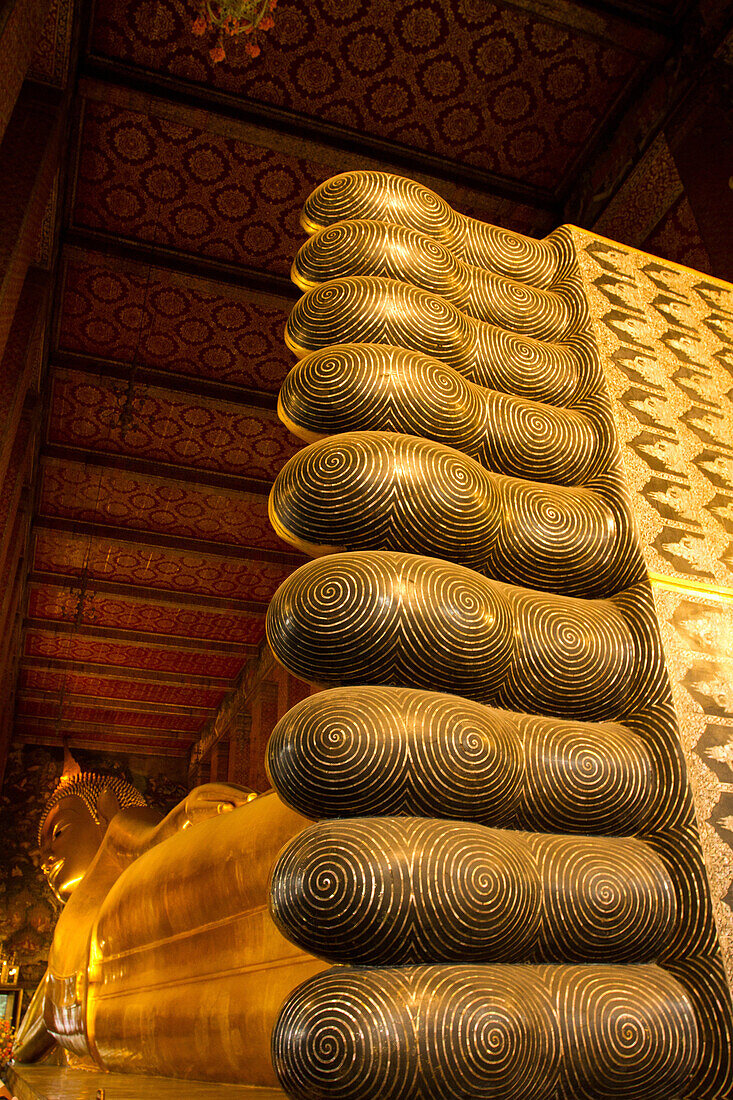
171 322
83 715
154 658
150 566
161 505
65 604
149 178
52 682
410 71
102 414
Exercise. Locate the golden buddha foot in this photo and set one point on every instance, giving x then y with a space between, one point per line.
399 890
362 751
347 387
395 200
473 538
515 1032
396 252
371 310
431 499
392 618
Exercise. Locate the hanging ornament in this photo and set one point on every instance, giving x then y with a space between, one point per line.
226 18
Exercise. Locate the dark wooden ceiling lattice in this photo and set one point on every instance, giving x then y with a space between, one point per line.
152 559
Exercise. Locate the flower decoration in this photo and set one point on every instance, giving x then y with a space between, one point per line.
7 1035
233 17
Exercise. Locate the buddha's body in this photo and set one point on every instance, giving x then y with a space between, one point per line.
165 958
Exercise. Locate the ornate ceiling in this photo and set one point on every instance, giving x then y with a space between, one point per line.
152 558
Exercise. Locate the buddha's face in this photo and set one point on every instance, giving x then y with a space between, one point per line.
70 840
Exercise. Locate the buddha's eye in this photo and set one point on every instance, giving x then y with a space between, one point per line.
59 828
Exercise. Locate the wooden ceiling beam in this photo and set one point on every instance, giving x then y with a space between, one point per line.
148 467
76 738
120 672
157 595
173 542
387 155
659 21
147 638
232 707
64 725
640 114
168 380
117 703
274 290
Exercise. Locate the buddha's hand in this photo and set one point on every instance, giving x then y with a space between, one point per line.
201 803
211 799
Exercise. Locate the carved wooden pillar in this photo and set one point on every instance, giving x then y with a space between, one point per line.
239 750
264 717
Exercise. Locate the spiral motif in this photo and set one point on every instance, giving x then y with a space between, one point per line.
390 618
355 752
395 200
355 387
374 490
374 248
348 1038
558 373
599 774
705 981
475 1032
630 1024
393 618
582 651
397 890
606 900
370 310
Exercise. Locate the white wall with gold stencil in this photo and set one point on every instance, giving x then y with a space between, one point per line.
666 339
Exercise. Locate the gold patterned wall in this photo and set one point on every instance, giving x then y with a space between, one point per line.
666 336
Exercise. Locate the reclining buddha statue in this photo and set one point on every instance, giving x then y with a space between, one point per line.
478 874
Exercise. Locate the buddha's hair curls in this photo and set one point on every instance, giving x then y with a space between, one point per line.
88 786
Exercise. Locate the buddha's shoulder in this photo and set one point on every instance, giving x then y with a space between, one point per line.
129 833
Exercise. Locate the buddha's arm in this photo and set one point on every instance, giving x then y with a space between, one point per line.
208 800
135 830
33 1039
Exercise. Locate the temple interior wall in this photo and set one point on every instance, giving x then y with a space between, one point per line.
666 335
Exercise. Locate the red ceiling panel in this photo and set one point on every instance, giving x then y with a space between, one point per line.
146 177
75 646
161 505
62 604
103 687
494 86
100 414
42 731
182 571
114 309
28 707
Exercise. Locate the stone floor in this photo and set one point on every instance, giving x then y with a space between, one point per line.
59 1083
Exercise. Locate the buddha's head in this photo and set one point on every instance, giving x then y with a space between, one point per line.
74 823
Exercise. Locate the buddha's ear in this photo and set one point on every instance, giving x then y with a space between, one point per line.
107 806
